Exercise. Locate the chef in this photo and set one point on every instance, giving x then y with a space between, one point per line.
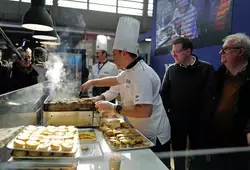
103 67
143 107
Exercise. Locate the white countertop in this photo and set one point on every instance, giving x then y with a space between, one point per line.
131 160
139 159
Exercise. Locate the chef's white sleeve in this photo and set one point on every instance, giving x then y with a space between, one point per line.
121 77
143 89
112 93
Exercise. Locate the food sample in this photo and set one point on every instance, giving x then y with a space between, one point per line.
23 137
67 146
34 153
87 136
125 125
115 143
31 144
55 146
19 144
69 154
69 141
47 141
84 147
18 153
44 146
120 135
109 133
46 154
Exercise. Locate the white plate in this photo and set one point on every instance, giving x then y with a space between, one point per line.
94 151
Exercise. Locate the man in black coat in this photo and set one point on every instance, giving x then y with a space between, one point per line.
226 118
182 93
21 74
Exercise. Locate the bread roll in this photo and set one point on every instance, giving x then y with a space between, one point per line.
31 144
46 154
67 147
44 146
55 146
34 153
19 144
23 137
18 153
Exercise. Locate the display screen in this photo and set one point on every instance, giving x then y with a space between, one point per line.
206 22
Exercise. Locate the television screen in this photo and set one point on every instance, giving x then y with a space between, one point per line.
206 22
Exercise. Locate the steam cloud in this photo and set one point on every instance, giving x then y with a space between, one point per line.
62 84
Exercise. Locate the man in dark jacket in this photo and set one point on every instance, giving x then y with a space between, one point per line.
227 111
21 74
182 93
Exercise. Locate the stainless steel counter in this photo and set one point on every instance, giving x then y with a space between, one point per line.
133 160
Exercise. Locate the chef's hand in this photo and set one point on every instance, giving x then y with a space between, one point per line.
248 139
105 106
86 86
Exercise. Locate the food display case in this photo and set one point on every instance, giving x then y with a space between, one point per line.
24 105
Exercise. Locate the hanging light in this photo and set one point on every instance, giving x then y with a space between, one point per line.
37 18
52 43
45 35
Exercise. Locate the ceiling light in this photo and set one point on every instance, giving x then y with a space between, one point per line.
37 18
45 35
52 43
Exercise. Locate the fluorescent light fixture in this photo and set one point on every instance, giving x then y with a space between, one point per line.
148 39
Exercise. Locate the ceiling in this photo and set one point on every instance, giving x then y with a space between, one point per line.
72 25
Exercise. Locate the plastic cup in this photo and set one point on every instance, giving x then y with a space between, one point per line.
114 162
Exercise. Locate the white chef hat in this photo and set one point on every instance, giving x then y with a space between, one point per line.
101 43
127 34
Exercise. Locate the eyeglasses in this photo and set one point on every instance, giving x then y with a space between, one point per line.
226 49
177 52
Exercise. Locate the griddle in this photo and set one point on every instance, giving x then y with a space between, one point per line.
67 105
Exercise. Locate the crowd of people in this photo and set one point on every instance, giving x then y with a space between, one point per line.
24 72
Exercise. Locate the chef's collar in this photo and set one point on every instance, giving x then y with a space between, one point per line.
131 65
103 62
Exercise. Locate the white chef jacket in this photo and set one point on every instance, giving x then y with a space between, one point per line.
187 22
102 70
143 86
114 91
